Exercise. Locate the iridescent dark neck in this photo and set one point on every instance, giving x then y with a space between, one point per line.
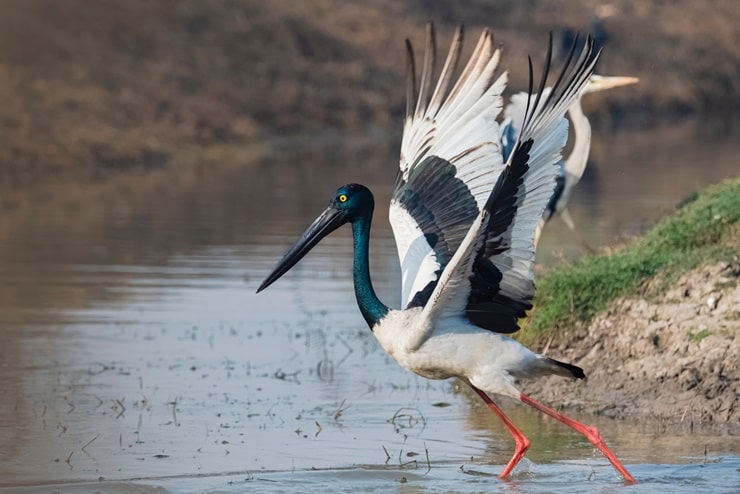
373 310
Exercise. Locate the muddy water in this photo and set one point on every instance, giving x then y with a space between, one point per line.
135 356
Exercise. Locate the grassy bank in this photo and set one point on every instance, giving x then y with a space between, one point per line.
706 228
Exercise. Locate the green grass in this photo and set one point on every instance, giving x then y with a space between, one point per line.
699 335
705 228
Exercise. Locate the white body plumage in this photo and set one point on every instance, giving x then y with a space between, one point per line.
455 348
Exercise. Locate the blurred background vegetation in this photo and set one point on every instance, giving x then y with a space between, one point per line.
93 88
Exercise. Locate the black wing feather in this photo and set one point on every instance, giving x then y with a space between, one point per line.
487 306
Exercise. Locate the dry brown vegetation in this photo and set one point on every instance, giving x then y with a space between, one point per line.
94 87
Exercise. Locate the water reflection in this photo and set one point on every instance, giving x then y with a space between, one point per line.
66 245
132 344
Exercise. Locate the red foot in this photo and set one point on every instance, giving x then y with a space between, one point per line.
521 441
591 433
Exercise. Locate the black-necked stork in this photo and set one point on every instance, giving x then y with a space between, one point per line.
464 220
572 168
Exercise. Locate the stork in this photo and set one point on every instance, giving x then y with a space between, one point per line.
572 167
464 221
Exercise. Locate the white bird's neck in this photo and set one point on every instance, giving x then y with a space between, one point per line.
576 162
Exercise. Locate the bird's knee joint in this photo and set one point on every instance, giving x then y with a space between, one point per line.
594 436
522 444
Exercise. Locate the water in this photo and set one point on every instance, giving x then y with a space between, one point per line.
135 356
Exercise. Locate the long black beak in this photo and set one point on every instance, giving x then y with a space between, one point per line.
327 222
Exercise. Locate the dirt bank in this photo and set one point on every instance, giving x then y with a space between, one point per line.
94 88
673 358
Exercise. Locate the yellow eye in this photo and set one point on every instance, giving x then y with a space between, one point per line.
342 197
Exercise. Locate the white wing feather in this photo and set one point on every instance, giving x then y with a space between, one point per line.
461 128
545 132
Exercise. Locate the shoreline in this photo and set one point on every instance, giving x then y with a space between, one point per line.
672 358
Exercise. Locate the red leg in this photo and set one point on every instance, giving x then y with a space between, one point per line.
591 433
522 443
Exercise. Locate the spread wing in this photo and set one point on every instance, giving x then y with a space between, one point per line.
491 277
450 160
514 114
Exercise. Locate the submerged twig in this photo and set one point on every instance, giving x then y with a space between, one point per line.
123 408
476 472
350 350
174 412
413 420
340 410
89 443
287 376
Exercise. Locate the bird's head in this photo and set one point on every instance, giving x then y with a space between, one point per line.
349 203
352 201
599 83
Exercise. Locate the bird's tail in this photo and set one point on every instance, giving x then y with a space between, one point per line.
565 370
